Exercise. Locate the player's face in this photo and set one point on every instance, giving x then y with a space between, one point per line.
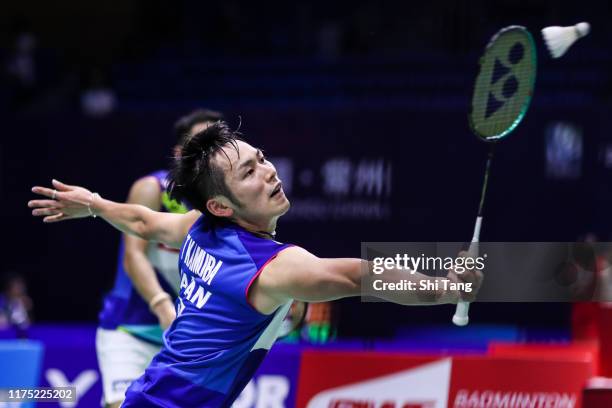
255 184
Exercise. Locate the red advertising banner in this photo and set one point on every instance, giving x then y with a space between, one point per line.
587 350
385 380
605 339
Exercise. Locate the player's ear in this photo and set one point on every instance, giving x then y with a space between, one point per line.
217 207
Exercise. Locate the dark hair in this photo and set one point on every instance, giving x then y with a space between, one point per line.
194 178
185 123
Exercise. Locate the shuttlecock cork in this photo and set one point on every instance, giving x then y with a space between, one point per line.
559 39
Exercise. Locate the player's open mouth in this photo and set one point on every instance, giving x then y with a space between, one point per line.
277 190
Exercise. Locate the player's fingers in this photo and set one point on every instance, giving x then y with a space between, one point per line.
61 186
452 276
38 212
44 204
43 191
467 276
54 218
474 277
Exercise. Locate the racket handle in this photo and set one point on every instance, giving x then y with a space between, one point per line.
461 316
473 251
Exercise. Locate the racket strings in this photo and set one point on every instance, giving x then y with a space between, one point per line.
504 84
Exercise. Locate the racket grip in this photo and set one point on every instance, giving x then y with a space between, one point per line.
461 316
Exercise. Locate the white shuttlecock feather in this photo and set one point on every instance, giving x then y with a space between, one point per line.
559 39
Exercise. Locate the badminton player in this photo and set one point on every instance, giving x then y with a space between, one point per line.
237 281
141 303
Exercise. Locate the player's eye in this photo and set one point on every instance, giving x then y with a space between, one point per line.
248 173
260 156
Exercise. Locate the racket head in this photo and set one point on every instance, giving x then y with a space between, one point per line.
504 85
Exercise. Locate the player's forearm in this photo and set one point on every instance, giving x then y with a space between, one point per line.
142 274
337 278
143 277
346 277
133 219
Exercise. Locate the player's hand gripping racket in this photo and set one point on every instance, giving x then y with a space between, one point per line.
502 93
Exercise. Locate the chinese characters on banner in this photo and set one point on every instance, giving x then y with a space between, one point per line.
337 188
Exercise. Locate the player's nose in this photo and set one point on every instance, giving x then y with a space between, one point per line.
271 174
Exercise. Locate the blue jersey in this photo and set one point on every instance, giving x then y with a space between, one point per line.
218 339
123 307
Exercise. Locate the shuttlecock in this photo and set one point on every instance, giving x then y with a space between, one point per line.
559 39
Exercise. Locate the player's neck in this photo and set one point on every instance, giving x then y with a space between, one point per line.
266 230
266 234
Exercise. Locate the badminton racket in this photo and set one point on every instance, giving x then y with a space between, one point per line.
502 93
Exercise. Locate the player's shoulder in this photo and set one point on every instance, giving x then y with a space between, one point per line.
146 191
292 252
147 183
289 269
289 258
157 180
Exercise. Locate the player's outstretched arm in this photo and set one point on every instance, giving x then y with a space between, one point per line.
65 202
297 274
